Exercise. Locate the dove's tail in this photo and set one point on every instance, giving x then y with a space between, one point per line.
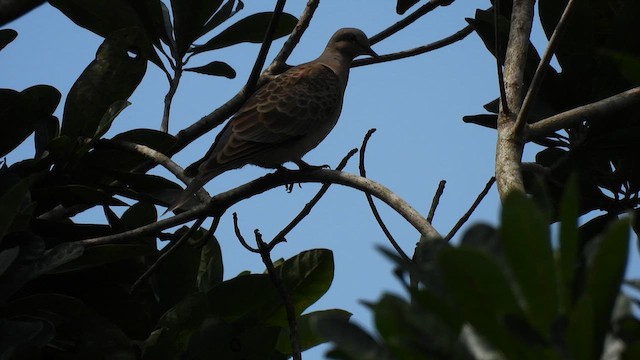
196 184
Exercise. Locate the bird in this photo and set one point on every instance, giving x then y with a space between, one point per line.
285 118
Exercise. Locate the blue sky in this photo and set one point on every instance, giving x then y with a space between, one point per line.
416 104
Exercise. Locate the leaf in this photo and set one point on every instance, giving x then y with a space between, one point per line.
7 256
21 112
580 329
105 254
6 37
56 257
107 119
308 337
223 14
528 250
568 235
307 276
216 68
117 70
189 17
211 270
404 5
482 296
19 335
68 195
250 29
349 338
10 203
605 277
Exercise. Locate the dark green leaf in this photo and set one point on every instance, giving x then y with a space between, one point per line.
117 70
90 335
216 68
102 17
73 195
605 276
404 5
108 117
176 277
45 131
349 338
24 334
7 256
105 254
580 330
482 296
56 257
251 297
189 17
250 29
21 112
10 203
211 269
6 37
308 337
307 276
568 236
528 250
487 120
224 13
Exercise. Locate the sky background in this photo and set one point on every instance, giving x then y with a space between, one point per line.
416 105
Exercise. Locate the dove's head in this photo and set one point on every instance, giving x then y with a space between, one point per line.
351 42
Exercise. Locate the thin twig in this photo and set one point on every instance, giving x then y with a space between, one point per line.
244 242
303 23
265 254
372 205
595 110
221 202
499 57
461 34
168 99
421 11
436 201
307 208
171 248
264 49
473 207
538 77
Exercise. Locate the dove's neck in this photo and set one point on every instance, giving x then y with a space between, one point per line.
337 62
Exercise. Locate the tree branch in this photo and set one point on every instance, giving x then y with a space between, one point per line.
250 86
410 19
307 208
510 142
593 111
221 202
461 34
538 77
436 201
473 207
171 248
372 205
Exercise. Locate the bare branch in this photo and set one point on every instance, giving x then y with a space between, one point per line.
436 201
168 99
221 202
421 11
238 233
510 143
307 208
593 111
250 86
170 249
499 57
265 254
293 39
538 77
461 34
372 205
161 159
473 207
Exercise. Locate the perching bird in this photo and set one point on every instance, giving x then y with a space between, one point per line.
285 118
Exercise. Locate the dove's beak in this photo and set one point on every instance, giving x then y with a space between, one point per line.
371 53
